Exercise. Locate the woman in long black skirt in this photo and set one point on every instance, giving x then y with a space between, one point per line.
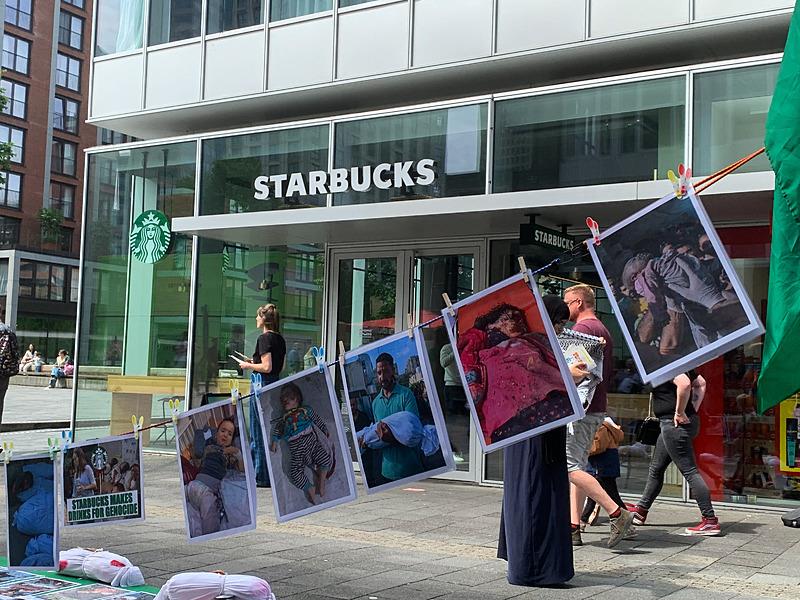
534 522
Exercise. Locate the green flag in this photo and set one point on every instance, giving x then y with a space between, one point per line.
780 371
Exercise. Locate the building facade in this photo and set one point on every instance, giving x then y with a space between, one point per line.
352 161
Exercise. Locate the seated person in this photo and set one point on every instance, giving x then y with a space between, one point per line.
27 359
57 373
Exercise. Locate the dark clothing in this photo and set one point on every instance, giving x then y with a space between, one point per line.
534 521
675 445
594 326
3 389
274 343
665 398
214 463
604 464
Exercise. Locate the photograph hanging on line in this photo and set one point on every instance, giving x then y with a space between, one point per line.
309 464
34 587
103 481
673 289
219 491
515 375
31 512
395 414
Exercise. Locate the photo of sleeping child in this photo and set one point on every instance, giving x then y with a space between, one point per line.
308 461
395 415
31 527
218 481
511 364
674 292
103 481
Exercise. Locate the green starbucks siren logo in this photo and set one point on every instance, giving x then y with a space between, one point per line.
150 236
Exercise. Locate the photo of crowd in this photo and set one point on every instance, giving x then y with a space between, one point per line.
511 364
31 518
218 481
103 481
396 418
676 295
33 588
307 456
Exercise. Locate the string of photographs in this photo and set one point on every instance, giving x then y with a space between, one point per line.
676 296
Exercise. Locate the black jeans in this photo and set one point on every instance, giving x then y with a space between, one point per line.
675 445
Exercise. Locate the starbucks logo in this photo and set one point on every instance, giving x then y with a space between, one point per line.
99 458
150 236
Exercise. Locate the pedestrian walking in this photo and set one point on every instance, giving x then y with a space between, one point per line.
604 466
675 404
9 361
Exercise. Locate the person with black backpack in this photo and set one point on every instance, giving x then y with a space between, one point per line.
9 361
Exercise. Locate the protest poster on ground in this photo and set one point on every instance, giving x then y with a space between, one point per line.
673 289
34 587
395 414
309 464
31 512
512 367
219 491
98 591
103 481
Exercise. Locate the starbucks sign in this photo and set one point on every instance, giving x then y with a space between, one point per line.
150 236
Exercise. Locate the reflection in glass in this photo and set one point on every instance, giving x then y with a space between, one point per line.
174 20
612 134
366 300
231 165
346 3
730 110
135 316
288 9
233 281
455 138
118 26
226 15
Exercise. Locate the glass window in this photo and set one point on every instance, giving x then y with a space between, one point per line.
70 30
62 198
138 313
233 281
430 154
11 190
612 134
74 284
287 9
68 72
42 281
65 240
174 20
730 110
225 15
108 136
118 26
17 98
63 157
16 53
16 137
65 114
75 3
9 232
57 280
231 166
18 12
346 3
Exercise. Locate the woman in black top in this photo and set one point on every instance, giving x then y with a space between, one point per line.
267 365
674 405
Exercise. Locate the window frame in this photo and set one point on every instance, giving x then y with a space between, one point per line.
65 119
15 224
12 99
57 202
8 139
60 159
15 54
70 32
16 11
32 281
8 176
76 3
70 61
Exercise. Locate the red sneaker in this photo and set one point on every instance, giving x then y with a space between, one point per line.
708 526
639 513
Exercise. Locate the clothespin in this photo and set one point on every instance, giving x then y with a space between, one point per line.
410 323
52 447
319 354
594 227
8 452
523 268
175 409
66 438
235 396
449 304
137 426
681 181
341 353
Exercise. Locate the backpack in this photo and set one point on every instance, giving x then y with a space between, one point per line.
9 354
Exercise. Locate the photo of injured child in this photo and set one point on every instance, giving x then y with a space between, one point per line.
395 415
102 481
308 461
31 527
218 481
676 296
511 364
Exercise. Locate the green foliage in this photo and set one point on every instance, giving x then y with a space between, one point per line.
50 221
6 149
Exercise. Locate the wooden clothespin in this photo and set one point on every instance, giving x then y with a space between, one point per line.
8 452
410 323
175 409
594 227
449 304
137 425
523 269
341 353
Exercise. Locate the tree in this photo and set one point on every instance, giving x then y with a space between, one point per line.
6 149
51 224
